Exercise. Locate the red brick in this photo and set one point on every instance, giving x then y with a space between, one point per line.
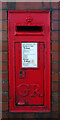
51 115
18 116
0 5
56 87
55 57
4 5
4 115
1 66
4 86
56 98
46 115
55 25
55 36
59 5
46 4
54 5
0 106
0 86
3 97
56 67
55 77
37 115
15 115
59 57
55 47
0 25
4 15
4 25
29 115
4 56
11 5
4 46
4 76
59 47
28 5
4 106
1 116
0 56
4 66
56 107
59 76
56 15
55 115
0 97
0 15
4 36
0 36
0 76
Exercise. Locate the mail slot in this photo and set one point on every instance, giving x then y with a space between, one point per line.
29 61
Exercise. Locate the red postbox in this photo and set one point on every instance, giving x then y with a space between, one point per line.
29 61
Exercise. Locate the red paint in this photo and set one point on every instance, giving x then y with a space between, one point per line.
29 88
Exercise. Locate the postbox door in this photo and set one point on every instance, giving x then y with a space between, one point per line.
29 68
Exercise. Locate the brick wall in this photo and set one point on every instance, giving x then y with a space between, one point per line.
55 57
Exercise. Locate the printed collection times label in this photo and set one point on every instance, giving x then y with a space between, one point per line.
29 54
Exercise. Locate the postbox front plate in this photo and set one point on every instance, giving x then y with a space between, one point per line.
29 61
29 82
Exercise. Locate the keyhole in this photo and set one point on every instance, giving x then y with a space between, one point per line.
21 73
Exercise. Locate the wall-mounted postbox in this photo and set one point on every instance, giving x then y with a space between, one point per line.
29 61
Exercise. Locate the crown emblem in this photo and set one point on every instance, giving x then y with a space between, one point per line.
29 19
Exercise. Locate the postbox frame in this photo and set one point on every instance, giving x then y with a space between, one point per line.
47 71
